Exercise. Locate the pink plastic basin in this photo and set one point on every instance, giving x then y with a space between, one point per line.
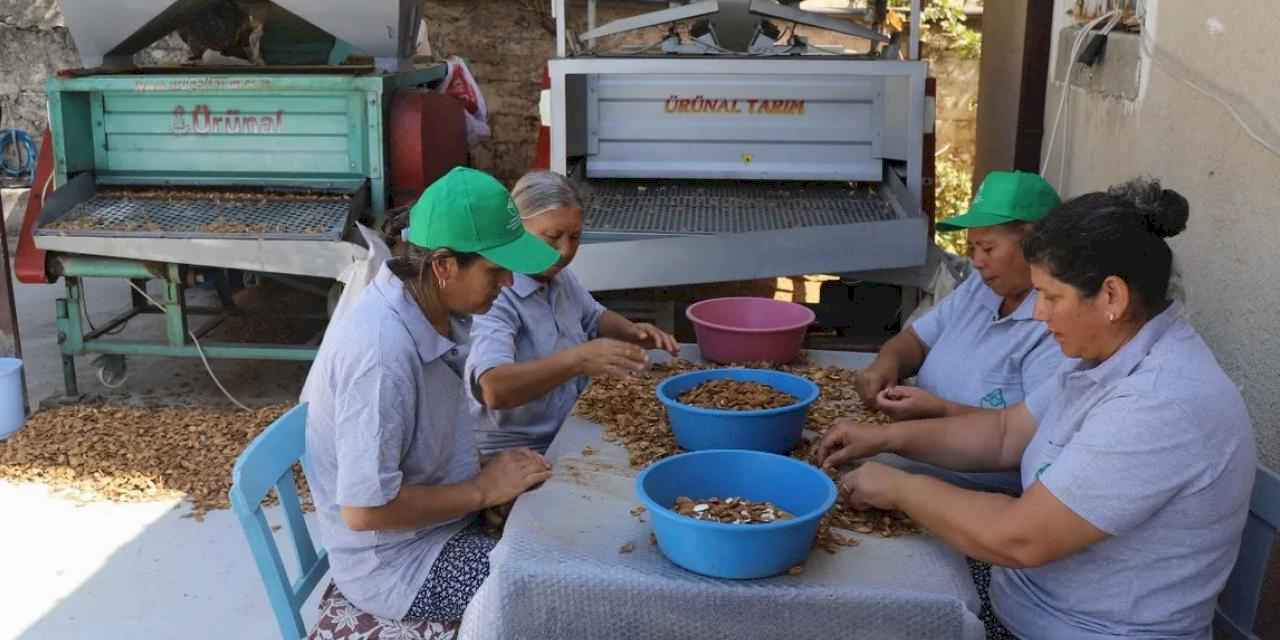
739 330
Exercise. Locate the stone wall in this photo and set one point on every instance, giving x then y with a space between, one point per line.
35 44
506 44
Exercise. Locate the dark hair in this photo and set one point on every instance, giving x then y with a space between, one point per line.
1119 233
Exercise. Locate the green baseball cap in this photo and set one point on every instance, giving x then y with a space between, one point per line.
471 212
1006 196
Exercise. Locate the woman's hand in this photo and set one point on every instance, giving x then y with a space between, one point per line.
651 337
609 357
872 485
509 474
870 382
910 403
848 440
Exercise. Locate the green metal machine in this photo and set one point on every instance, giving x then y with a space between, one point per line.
160 173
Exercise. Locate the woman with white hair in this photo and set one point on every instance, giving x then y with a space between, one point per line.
534 352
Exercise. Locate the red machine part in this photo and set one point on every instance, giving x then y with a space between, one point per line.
30 261
427 137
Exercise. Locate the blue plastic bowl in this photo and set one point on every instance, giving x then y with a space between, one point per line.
736 551
777 430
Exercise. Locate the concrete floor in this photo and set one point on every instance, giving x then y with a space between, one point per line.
106 570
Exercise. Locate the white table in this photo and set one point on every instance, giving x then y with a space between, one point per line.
558 571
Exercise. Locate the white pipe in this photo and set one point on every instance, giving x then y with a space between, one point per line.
591 22
557 8
914 53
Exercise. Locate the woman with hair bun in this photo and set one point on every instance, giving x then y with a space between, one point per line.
1137 459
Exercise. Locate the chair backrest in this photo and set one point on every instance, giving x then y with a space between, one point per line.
1238 605
265 464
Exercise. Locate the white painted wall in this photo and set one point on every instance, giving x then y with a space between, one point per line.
1230 253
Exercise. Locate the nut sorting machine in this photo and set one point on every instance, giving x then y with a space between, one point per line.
736 151
166 173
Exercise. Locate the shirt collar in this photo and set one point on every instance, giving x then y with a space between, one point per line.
991 301
525 286
430 344
1123 362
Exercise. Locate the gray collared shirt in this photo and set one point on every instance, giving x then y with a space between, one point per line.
385 409
530 320
1153 446
980 359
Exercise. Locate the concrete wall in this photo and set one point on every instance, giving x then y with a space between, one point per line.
1230 253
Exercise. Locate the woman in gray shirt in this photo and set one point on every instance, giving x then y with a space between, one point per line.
391 456
533 353
1137 460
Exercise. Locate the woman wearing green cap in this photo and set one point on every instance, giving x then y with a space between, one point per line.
1137 459
391 456
546 336
979 348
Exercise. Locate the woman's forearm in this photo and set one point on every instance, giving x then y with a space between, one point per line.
969 442
513 385
614 325
962 519
902 356
418 506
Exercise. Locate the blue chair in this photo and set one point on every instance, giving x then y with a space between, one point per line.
268 462
1238 604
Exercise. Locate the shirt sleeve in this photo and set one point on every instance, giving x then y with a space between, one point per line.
375 419
933 323
493 338
1132 455
592 310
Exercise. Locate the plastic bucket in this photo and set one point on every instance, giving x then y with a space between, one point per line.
736 551
747 330
12 410
775 430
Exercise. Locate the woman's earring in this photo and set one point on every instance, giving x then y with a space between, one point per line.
1111 317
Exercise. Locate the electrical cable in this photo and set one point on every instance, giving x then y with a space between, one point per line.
1066 92
24 150
199 350
1150 50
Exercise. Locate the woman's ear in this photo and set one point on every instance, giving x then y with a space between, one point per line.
444 271
1116 298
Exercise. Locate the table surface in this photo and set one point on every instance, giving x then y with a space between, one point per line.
559 571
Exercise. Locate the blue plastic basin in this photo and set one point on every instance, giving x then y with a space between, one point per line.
736 551
776 430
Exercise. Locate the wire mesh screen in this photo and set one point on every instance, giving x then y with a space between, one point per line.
682 208
194 214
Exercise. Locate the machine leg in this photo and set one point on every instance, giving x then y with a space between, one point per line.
175 312
69 376
70 333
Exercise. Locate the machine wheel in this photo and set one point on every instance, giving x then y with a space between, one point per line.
112 371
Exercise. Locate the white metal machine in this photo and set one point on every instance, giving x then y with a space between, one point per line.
737 151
